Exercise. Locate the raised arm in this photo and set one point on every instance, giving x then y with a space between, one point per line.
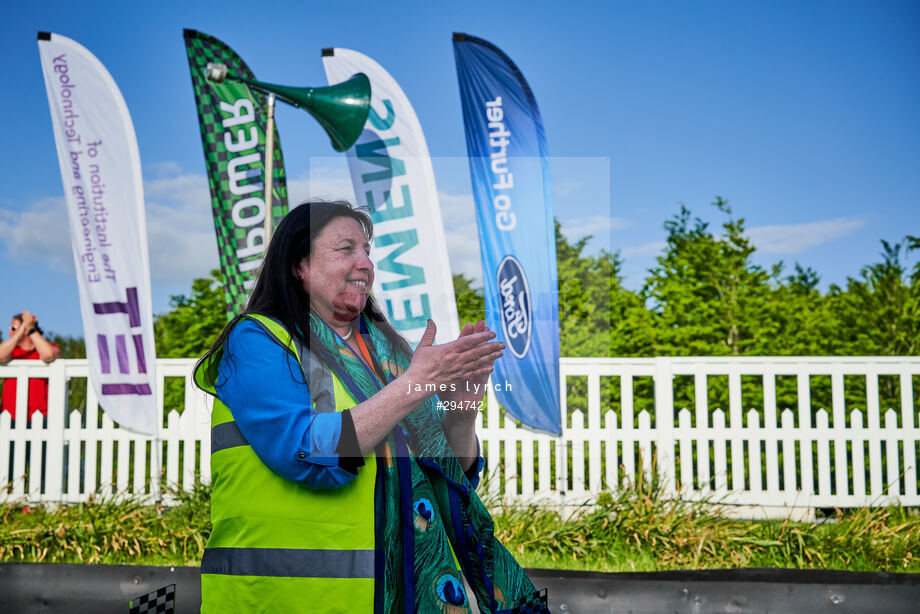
468 357
461 408
26 322
47 351
7 345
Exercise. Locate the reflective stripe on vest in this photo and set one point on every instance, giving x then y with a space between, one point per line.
289 562
226 435
266 526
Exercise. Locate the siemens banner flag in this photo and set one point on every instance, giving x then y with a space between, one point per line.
103 191
392 176
510 175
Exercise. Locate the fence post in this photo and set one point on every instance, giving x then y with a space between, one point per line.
907 423
627 431
735 424
156 447
57 412
664 424
772 434
594 433
701 407
806 431
838 403
561 476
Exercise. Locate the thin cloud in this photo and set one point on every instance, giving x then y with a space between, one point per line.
180 230
796 238
562 189
180 223
599 226
776 239
462 235
180 226
38 234
326 183
169 183
458 212
645 250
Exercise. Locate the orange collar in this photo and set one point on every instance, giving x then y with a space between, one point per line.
367 356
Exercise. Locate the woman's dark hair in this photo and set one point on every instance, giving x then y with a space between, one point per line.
281 296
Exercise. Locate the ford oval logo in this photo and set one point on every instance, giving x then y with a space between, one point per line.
514 299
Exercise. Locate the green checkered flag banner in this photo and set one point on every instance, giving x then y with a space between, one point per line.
161 601
537 603
233 118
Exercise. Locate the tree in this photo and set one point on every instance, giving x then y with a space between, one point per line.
189 329
194 322
803 316
597 315
880 310
706 297
71 347
471 304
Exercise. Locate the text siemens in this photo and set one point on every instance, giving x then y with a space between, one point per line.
387 192
503 179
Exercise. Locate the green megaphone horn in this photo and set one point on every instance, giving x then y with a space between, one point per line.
341 109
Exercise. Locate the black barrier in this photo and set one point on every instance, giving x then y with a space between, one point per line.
91 589
96 589
737 591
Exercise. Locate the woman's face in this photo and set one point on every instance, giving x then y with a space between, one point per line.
338 273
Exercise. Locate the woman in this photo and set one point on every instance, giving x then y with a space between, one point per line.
338 484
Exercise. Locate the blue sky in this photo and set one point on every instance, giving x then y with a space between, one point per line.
804 115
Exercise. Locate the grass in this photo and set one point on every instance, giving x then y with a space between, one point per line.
108 531
638 529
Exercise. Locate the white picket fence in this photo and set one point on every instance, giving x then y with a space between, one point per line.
764 467
780 461
70 456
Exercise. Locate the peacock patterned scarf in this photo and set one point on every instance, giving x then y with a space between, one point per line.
431 527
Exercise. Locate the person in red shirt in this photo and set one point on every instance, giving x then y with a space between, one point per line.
26 342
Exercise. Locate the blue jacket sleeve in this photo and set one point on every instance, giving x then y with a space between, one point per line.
474 472
264 388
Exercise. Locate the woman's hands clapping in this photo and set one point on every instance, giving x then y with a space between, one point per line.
465 400
434 369
469 358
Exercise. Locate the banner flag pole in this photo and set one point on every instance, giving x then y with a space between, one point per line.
269 166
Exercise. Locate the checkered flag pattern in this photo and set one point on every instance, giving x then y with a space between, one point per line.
201 50
535 604
162 601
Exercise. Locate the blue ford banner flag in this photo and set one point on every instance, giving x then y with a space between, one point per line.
510 175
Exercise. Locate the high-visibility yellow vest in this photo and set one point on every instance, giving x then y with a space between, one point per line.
275 545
